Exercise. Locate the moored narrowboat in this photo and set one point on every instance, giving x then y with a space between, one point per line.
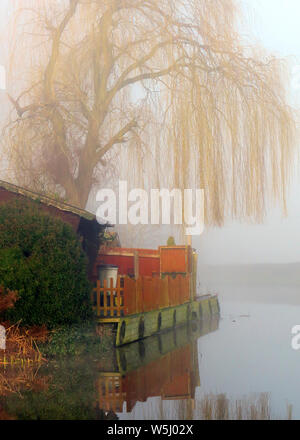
144 291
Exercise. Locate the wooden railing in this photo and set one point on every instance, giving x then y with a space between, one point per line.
107 300
131 296
111 395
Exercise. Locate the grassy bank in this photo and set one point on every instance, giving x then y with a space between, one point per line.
56 372
25 346
78 340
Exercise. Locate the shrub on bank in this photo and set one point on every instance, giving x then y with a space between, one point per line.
42 259
77 340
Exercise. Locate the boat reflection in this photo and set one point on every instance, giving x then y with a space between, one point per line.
164 365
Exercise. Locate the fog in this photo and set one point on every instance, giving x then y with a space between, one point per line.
275 241
275 25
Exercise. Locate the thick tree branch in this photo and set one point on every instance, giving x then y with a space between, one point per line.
49 72
21 110
117 138
149 75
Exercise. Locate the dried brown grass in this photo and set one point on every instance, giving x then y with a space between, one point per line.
22 345
21 360
219 407
7 299
14 380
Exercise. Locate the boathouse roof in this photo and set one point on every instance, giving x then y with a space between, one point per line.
62 206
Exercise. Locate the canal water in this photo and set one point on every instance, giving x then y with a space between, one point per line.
246 364
238 365
252 352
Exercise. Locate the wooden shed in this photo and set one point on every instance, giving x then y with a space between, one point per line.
83 222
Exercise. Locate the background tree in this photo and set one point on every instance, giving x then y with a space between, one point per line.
165 92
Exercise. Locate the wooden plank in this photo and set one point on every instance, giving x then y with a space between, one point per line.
118 297
105 297
129 298
98 297
156 292
110 374
122 295
136 265
147 294
164 292
174 259
139 296
129 252
111 293
108 320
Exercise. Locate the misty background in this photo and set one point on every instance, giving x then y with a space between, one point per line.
274 24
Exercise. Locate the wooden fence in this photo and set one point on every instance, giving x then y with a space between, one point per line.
111 395
107 300
145 294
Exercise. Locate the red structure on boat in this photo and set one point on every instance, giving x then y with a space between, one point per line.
147 280
147 262
154 290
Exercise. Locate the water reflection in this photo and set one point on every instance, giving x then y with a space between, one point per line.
158 378
91 387
164 365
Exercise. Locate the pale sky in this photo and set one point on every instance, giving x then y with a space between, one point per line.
276 25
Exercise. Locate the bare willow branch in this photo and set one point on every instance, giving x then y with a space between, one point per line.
175 74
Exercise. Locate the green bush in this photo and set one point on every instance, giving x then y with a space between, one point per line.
76 340
42 258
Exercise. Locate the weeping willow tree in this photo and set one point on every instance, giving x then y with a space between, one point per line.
160 92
